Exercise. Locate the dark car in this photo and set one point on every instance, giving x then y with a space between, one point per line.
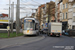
44 31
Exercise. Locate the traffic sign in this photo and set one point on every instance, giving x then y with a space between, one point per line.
8 27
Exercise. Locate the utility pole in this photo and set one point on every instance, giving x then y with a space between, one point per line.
18 17
12 16
9 21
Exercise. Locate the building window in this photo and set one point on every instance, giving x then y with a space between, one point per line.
74 19
66 16
66 5
63 6
63 15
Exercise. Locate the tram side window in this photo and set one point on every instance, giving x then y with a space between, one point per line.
36 26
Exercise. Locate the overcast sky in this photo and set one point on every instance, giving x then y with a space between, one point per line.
4 7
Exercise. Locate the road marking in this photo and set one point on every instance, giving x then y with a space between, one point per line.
73 37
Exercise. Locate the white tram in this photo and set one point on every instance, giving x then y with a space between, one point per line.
31 26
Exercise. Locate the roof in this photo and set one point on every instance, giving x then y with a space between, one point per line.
32 19
4 15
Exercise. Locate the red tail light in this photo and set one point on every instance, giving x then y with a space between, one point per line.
60 34
51 33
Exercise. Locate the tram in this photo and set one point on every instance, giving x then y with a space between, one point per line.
31 26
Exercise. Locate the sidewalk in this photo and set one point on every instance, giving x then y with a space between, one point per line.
18 41
5 31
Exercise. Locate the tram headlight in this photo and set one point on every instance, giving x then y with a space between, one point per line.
27 31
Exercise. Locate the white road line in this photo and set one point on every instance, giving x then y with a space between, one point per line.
73 37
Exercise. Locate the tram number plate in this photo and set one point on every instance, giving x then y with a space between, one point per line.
27 31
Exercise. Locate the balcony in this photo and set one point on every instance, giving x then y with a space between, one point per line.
70 14
70 0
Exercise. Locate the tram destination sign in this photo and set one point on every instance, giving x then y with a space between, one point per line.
29 20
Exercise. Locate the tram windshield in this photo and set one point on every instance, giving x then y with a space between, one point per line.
29 25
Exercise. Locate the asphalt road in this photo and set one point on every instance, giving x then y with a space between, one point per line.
48 43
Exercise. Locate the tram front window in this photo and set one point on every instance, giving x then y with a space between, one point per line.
29 26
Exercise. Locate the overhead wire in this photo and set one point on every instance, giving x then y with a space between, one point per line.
24 1
28 6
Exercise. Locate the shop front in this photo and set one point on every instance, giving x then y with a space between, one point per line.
64 25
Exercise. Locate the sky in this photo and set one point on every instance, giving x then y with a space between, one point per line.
4 7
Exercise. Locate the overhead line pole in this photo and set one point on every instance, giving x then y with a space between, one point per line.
12 16
18 17
9 20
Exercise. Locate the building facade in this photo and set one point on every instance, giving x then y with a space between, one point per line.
65 14
43 17
4 20
71 15
40 15
58 10
50 12
62 13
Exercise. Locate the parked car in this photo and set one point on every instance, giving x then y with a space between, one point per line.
44 31
66 33
71 32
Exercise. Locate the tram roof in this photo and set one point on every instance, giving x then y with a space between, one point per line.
33 19
30 18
